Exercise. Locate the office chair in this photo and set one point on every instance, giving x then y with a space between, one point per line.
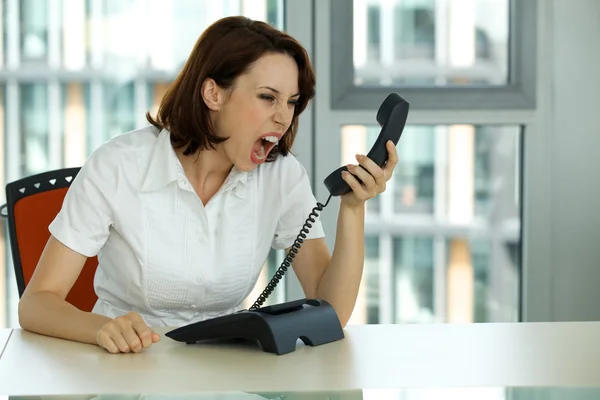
31 205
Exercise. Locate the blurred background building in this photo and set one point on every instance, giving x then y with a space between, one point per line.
443 243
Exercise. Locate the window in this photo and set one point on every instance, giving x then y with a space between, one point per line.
443 241
119 109
35 128
371 280
450 43
414 30
460 54
76 121
414 186
413 279
34 30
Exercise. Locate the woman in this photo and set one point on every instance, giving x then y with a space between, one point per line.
182 213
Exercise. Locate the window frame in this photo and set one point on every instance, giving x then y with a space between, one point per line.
518 93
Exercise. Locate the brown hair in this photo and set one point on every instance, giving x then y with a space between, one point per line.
224 51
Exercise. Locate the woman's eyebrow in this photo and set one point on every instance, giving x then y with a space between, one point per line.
277 91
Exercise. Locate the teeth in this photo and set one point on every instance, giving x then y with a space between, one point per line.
260 154
272 139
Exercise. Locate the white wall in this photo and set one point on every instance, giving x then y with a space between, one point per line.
562 176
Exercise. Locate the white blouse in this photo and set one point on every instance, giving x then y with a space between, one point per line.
161 252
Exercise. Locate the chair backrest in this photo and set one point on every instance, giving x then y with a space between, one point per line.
31 205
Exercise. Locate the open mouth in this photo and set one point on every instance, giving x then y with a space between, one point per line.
263 146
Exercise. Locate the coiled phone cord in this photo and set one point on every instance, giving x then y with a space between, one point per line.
287 262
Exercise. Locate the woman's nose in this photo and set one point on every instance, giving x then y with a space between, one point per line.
283 117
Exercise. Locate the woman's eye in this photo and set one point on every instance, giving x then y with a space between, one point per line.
267 97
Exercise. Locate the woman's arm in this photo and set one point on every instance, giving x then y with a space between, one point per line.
43 309
336 279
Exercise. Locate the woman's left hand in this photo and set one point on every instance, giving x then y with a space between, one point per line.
373 177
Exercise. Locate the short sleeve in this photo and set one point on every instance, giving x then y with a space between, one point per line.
298 203
84 220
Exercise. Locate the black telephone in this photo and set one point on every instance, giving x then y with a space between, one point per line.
278 327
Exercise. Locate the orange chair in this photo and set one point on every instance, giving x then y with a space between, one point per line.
31 205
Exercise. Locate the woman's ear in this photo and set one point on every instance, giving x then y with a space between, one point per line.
212 94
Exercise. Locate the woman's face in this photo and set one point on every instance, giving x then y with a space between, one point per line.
257 110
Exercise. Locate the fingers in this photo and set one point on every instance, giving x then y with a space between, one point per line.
373 169
107 343
392 159
110 338
121 342
379 175
145 333
371 177
354 184
361 173
126 334
145 336
133 341
142 331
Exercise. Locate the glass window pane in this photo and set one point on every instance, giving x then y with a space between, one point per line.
119 108
121 32
34 30
413 271
368 307
34 124
371 278
74 29
431 42
447 228
414 186
75 121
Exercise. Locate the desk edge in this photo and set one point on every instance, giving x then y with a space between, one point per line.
6 343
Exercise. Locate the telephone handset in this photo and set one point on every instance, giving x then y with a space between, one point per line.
391 117
314 321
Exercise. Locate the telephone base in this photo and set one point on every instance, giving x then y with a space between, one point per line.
277 328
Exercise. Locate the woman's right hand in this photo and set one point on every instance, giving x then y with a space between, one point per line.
125 334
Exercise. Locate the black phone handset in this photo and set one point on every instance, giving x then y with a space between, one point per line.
391 116
279 326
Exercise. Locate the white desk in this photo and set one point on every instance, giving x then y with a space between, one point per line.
372 356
